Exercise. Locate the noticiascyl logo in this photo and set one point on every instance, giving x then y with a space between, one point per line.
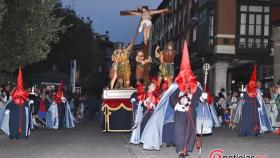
216 153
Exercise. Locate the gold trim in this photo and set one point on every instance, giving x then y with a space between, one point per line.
119 130
107 112
117 108
105 119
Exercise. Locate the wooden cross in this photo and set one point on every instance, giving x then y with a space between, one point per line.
153 12
145 15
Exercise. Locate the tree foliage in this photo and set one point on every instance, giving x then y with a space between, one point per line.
77 43
29 28
2 11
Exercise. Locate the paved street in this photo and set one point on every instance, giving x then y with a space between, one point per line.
87 141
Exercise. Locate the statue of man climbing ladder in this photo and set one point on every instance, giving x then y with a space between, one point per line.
146 17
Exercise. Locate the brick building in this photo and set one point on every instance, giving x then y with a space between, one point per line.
276 38
231 35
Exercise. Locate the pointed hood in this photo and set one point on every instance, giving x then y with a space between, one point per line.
20 95
59 93
185 61
19 79
186 80
252 86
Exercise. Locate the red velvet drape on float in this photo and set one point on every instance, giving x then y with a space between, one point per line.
116 104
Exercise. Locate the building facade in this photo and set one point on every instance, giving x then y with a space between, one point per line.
107 48
231 35
276 38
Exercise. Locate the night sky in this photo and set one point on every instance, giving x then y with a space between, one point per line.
106 16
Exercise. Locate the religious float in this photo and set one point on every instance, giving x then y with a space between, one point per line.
117 110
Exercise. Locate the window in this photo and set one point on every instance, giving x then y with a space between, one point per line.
255 8
211 30
266 25
243 8
254 26
250 42
194 33
242 43
243 24
251 24
265 42
258 24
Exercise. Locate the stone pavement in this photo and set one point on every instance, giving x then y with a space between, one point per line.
87 141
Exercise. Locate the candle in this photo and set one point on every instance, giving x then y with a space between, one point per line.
32 90
242 87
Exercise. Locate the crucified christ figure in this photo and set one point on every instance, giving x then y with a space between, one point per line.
146 17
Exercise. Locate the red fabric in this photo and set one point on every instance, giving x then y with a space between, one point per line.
252 86
58 97
278 131
20 95
153 97
186 80
42 106
180 79
191 82
209 96
164 86
20 79
115 103
59 93
185 62
140 91
153 78
157 90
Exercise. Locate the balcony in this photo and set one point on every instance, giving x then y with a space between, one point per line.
253 48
